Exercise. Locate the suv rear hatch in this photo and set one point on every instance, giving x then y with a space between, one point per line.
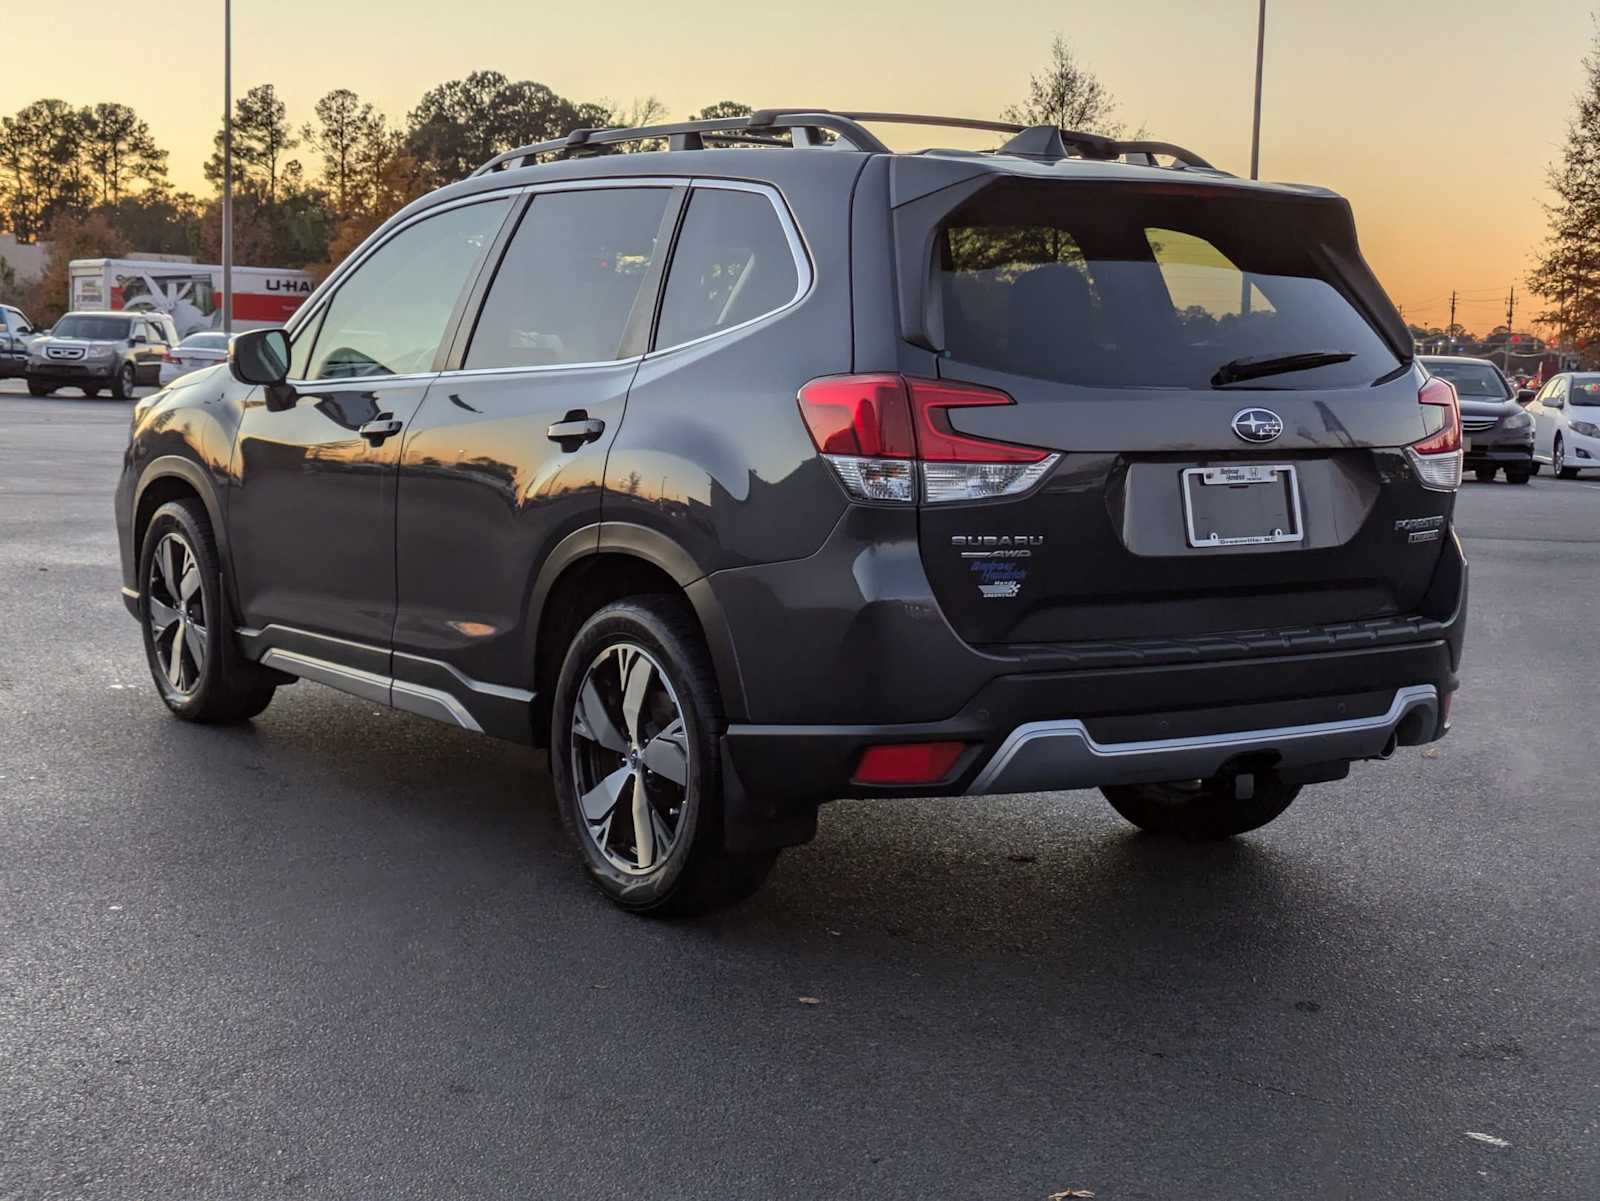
1205 482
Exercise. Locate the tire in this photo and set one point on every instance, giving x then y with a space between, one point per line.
216 685
1558 461
1200 810
1518 475
1485 475
38 389
126 380
652 644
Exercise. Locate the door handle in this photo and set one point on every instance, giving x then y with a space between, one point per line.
380 427
576 428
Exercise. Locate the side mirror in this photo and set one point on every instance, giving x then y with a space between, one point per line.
260 356
1526 396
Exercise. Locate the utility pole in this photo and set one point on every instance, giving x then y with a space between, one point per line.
1511 316
227 166
1261 52
1451 332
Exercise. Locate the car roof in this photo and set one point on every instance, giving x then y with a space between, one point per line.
1457 358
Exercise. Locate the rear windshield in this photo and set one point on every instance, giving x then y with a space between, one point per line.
94 329
206 342
1584 390
1481 381
1144 289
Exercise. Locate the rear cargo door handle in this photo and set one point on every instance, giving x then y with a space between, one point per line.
576 428
380 427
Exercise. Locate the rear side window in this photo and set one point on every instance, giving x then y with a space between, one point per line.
732 264
1132 288
569 283
389 316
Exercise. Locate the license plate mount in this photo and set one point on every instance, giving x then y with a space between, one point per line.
1242 504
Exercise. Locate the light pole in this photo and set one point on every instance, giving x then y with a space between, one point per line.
1261 51
227 166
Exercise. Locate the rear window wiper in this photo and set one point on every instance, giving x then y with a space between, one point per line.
1260 366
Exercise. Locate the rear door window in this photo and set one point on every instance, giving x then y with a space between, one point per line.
732 264
1142 288
567 290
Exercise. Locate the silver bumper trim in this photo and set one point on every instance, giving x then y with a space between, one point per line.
1046 756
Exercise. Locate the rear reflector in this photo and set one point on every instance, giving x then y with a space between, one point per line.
874 429
1437 458
908 762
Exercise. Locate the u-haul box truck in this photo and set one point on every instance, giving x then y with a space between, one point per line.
190 293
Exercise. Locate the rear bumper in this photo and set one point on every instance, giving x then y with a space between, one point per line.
1302 702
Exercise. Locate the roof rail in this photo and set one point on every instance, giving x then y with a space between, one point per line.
765 126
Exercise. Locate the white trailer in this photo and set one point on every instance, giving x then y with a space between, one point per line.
190 293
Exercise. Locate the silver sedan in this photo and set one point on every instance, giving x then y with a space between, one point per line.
196 351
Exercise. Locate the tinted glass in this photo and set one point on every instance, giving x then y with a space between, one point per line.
390 315
732 264
1584 390
1479 381
95 329
570 279
1142 290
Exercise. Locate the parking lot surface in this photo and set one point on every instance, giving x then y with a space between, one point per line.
344 952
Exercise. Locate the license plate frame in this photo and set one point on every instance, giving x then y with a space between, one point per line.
1249 475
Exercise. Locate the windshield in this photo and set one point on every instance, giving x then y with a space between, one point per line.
206 342
1149 290
1474 381
1585 391
92 328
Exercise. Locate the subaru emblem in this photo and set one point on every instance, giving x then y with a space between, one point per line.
1257 425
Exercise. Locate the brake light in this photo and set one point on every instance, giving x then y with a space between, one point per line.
1437 458
908 762
876 430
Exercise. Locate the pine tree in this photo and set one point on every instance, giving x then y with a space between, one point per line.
1567 273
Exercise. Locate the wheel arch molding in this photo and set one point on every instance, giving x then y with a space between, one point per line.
155 489
658 556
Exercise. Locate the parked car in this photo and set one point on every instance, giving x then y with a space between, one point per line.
1497 429
741 480
1566 413
100 351
16 332
205 349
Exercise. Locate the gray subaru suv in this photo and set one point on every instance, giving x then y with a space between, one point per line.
775 466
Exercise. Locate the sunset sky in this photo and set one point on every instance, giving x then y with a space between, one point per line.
1436 119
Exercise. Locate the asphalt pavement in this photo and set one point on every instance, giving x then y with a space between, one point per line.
346 953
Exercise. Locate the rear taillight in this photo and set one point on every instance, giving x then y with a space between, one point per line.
882 433
1437 458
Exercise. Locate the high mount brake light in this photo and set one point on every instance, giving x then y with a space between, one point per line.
875 429
1437 458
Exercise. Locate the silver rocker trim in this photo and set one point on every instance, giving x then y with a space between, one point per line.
1047 756
401 694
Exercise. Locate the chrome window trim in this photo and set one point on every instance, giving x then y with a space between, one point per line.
323 296
798 248
537 368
